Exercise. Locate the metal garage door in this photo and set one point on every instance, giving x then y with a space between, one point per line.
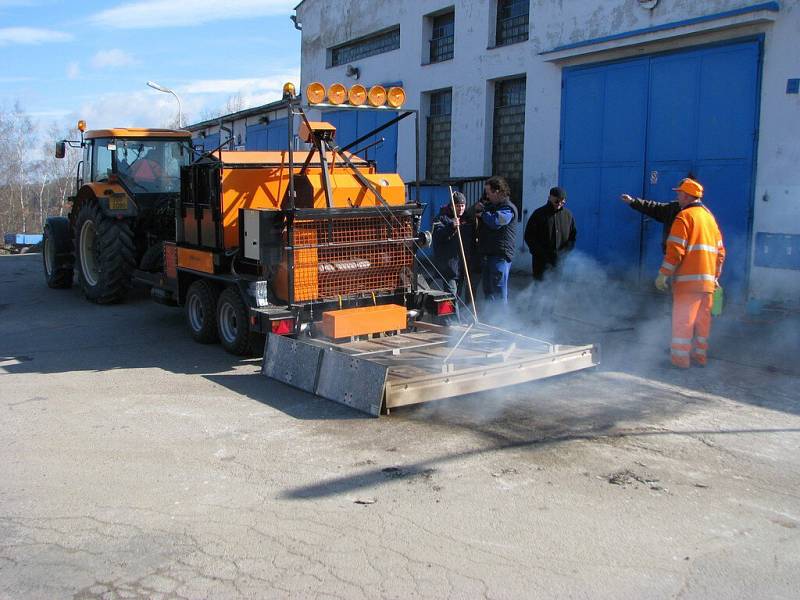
268 136
639 126
351 124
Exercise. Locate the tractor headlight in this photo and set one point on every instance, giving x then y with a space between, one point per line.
259 290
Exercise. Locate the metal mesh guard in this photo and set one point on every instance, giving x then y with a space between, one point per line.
351 255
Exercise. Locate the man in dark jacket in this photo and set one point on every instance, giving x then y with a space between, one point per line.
550 233
497 234
446 249
663 212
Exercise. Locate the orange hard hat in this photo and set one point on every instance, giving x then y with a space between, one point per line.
691 187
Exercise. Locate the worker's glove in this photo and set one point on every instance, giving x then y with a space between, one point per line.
661 283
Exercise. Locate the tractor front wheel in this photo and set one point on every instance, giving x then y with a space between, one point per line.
106 255
56 253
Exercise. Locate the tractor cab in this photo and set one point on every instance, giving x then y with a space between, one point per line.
143 161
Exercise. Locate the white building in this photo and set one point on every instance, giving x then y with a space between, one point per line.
603 97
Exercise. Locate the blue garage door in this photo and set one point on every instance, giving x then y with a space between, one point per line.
638 127
351 124
206 144
268 136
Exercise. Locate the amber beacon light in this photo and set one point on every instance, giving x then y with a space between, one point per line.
315 93
357 95
337 93
377 95
396 97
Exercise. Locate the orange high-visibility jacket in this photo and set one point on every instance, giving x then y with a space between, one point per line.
695 251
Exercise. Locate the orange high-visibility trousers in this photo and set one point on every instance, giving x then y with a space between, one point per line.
691 325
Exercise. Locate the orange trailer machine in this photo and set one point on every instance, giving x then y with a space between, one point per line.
319 252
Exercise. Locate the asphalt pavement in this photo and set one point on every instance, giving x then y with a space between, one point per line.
139 464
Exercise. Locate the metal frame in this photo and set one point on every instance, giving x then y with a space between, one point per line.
431 362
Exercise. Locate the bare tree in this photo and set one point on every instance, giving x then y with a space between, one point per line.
16 131
59 173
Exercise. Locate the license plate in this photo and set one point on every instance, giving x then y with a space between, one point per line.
119 203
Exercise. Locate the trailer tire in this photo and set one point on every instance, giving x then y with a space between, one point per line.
201 311
233 324
106 255
57 257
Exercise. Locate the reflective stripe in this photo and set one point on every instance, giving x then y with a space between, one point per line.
677 240
681 340
695 278
719 244
701 340
668 266
679 352
699 351
703 247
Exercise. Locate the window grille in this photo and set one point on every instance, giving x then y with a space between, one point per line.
437 154
509 135
512 21
442 37
368 46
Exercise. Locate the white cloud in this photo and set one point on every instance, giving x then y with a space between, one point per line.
152 14
112 58
127 109
73 70
245 86
31 35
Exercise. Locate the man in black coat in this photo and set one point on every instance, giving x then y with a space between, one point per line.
550 233
446 249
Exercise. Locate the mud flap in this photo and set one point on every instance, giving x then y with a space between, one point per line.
354 382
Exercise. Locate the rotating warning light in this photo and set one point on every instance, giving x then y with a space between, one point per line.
377 95
396 97
315 92
337 93
81 125
357 95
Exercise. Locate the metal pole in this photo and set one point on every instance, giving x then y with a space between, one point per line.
463 254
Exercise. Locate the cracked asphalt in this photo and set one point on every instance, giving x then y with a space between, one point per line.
138 464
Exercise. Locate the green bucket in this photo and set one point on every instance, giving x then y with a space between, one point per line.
719 300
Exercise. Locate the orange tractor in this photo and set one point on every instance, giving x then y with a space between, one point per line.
316 252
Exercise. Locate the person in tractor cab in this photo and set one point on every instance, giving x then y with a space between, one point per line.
147 169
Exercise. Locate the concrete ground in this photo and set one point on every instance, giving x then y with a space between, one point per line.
138 464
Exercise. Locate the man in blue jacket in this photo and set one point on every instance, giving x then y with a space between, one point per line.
497 236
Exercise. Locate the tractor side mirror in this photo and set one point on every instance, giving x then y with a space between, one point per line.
61 149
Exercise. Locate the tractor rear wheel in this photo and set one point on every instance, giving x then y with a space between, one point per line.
233 324
106 255
56 256
201 311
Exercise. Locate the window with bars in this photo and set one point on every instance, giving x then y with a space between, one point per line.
512 21
437 147
378 43
508 134
442 37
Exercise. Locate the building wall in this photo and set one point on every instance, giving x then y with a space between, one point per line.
556 23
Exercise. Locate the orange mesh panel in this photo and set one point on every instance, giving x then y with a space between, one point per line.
352 255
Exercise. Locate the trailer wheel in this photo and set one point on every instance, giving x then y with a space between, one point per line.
106 255
201 311
57 270
233 324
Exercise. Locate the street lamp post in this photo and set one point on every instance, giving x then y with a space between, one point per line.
161 88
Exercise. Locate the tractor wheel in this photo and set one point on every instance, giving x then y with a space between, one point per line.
201 311
57 254
233 324
106 255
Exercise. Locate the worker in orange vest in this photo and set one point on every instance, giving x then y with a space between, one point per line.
693 260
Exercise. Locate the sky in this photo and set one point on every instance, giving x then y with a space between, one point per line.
87 59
